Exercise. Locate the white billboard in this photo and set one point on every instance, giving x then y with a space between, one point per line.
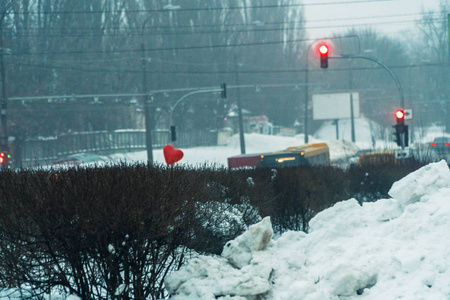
335 106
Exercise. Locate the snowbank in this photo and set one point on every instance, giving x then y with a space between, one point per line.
391 249
254 143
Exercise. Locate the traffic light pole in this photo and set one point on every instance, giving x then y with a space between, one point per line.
199 91
401 130
323 64
397 82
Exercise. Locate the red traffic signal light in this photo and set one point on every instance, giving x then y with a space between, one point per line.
400 114
5 160
323 52
401 130
323 49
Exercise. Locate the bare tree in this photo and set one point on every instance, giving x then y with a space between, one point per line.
433 49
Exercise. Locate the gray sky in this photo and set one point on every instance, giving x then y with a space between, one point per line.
392 17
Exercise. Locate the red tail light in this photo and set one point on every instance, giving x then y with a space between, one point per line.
433 144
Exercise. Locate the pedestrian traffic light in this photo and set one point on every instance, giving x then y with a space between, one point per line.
5 160
173 133
323 52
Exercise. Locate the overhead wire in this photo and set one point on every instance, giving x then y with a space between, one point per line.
196 9
18 55
84 32
255 30
231 71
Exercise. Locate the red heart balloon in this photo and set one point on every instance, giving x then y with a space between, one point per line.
172 155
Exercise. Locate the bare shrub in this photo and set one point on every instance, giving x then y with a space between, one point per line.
300 193
96 233
116 232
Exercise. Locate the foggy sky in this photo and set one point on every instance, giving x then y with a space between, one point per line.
392 17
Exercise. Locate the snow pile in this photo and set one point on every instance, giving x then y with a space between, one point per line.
390 249
368 133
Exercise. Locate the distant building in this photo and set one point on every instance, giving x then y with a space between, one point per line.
261 124
231 120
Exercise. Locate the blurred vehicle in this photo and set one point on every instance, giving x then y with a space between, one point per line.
377 158
305 155
81 159
441 143
354 160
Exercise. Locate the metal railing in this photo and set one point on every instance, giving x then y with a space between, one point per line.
43 151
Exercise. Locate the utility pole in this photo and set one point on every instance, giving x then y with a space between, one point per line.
352 113
4 101
146 99
305 105
239 105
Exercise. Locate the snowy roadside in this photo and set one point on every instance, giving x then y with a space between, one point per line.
389 249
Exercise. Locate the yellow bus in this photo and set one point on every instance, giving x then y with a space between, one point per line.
317 154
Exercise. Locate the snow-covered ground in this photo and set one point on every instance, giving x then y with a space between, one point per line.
368 135
254 143
391 249
395 248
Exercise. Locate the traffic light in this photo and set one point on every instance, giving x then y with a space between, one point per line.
401 130
323 52
173 133
400 116
223 93
401 135
5 160
397 136
405 132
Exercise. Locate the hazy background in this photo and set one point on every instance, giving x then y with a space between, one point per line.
84 66
389 17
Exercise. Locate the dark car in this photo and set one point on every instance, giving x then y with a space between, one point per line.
81 159
441 143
